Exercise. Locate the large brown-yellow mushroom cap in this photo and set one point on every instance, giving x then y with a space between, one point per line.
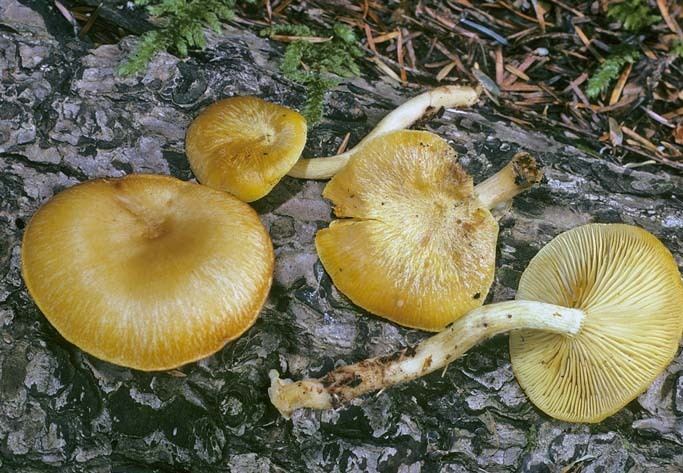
147 271
414 244
629 286
244 145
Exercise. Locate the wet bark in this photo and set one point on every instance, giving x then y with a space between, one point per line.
65 117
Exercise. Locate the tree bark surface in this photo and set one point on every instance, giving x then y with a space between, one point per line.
65 117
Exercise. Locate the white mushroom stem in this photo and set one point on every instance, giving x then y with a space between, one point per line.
519 174
402 117
434 353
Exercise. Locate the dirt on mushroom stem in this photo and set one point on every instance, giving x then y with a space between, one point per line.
522 172
578 364
352 381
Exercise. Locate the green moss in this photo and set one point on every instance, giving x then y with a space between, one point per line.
677 48
182 28
610 70
531 437
318 66
634 15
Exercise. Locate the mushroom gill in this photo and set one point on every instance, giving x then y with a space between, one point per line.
627 283
598 317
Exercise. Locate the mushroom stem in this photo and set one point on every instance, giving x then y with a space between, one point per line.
402 117
519 174
436 352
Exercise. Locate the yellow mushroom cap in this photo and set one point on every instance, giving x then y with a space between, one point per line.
244 145
148 272
628 284
414 244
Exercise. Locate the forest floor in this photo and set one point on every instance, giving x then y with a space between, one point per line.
604 76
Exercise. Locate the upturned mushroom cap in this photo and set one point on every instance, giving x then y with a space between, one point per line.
414 244
244 145
148 272
628 284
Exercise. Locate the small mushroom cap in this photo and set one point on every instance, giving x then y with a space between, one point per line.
413 245
148 272
628 284
244 145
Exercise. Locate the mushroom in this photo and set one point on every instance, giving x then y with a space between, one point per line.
244 145
147 271
416 242
402 117
598 315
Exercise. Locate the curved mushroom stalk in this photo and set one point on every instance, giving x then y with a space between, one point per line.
578 364
436 352
402 117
